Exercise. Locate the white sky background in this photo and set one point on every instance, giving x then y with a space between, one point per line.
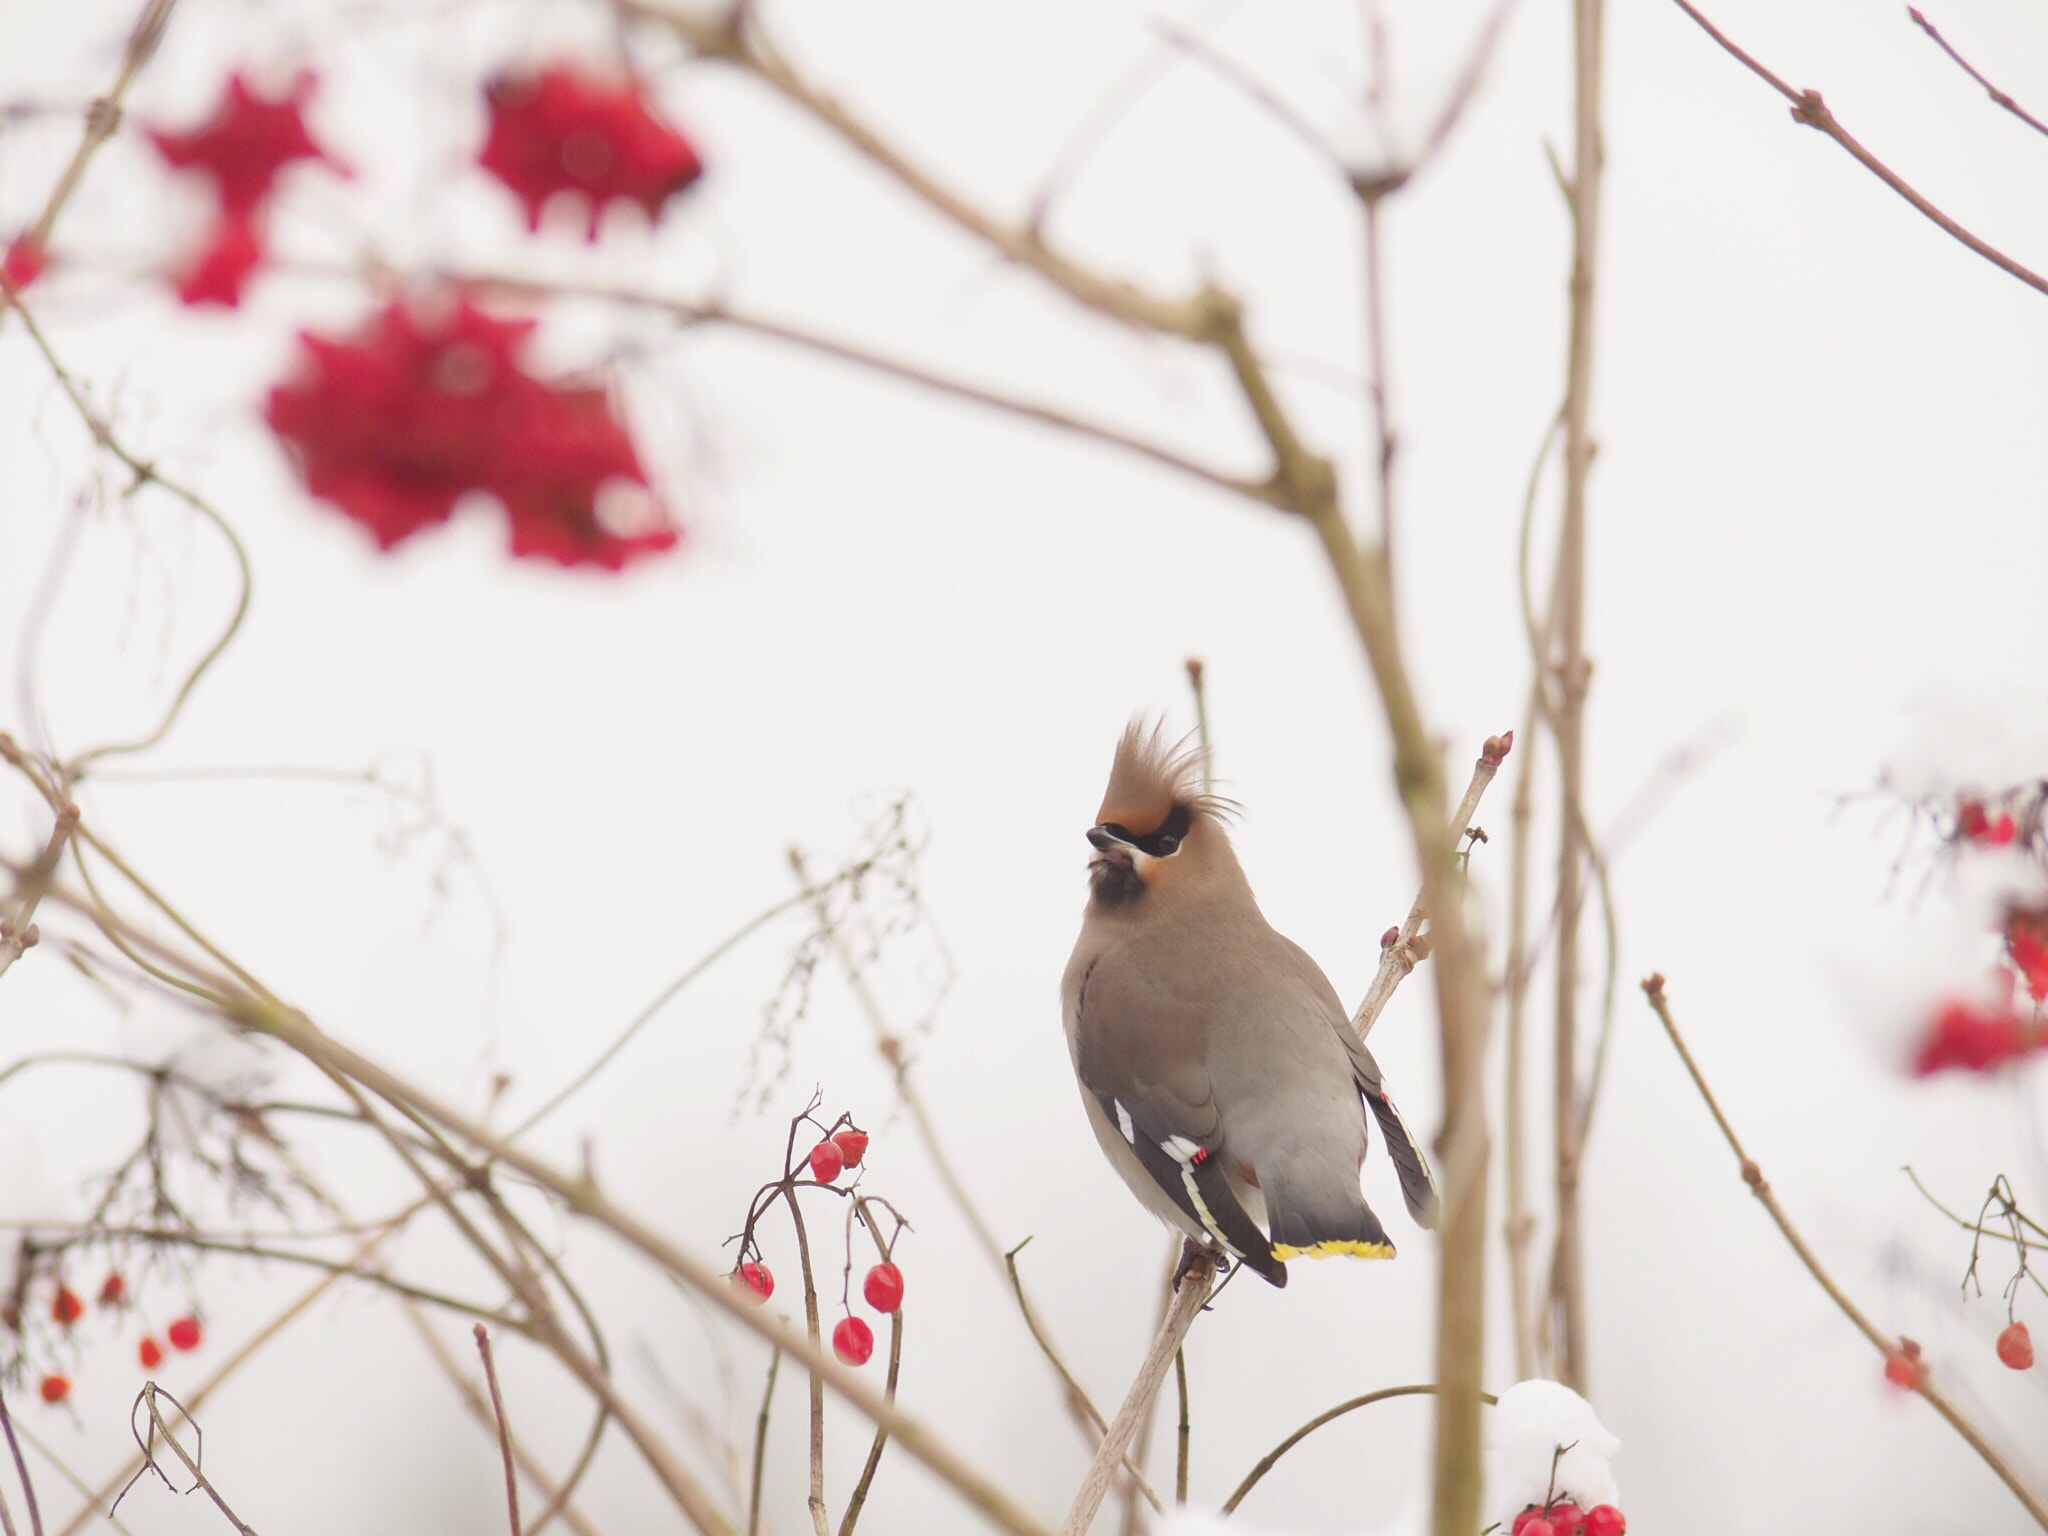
1817 502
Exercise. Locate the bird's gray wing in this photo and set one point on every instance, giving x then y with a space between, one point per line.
1411 1166
1141 1049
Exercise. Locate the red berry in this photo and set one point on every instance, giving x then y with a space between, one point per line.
1537 1527
150 1353
852 1145
1904 1370
826 1162
65 1306
1529 1512
113 1290
754 1282
1605 1520
884 1288
55 1388
853 1341
184 1333
1564 1517
2015 1348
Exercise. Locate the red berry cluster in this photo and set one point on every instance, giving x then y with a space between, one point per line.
564 131
394 423
837 1153
1974 824
1564 1518
239 151
67 1308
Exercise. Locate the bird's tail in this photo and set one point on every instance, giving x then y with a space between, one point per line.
1321 1223
1418 1187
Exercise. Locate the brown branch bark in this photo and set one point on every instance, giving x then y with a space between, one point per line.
1997 95
483 1348
1189 1297
1573 673
1886 1345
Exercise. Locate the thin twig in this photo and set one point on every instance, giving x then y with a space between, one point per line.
149 1399
102 117
28 1484
1180 1459
18 933
483 1348
859 1496
1752 1175
754 1486
1400 957
480 1407
820 1518
1967 68
1267 1462
1808 108
1188 1300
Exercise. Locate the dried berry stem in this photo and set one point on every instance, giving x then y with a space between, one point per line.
859 1496
1752 1175
821 1521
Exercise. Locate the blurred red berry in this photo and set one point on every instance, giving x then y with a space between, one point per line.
150 1353
65 1307
2016 1347
566 131
852 1145
2026 941
853 1341
184 1333
1605 1520
113 1290
246 142
826 1162
883 1288
24 262
230 257
1565 1518
393 424
1971 1036
55 1388
753 1281
1536 1527
1904 1370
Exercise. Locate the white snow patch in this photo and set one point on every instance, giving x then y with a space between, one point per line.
1523 1436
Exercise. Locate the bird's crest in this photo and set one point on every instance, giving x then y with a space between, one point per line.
1151 775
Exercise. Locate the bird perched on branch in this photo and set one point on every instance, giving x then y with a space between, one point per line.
1217 1065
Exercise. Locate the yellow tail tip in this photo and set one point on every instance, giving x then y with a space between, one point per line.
1286 1251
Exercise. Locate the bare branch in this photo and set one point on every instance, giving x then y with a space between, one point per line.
483 1348
1808 108
1189 1297
1967 68
1752 1175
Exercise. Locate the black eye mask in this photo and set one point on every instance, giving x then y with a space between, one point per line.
1160 844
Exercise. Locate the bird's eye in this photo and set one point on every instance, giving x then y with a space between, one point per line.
1166 843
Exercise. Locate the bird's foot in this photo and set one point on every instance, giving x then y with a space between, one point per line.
1193 1253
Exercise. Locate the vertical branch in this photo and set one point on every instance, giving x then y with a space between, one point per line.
1180 1465
1567 1296
820 1520
1189 1297
859 1496
1520 1222
28 1486
483 1348
761 1444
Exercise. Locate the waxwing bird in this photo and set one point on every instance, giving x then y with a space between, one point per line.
1216 1063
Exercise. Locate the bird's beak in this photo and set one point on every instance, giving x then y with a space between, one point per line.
1103 839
